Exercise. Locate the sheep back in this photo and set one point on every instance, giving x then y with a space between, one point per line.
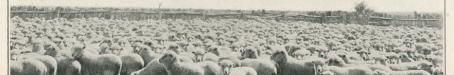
263 67
130 63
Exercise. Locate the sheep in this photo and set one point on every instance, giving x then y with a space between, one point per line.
68 66
392 58
187 57
437 71
230 69
221 51
114 49
300 54
28 67
347 70
351 58
317 50
174 66
436 60
379 59
364 54
174 47
225 54
49 61
202 55
337 61
38 46
146 53
263 66
291 48
106 64
235 60
250 53
210 68
327 73
130 63
65 63
418 65
407 72
287 65
405 58
152 68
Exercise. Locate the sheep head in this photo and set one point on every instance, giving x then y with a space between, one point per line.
142 49
335 61
299 54
249 53
78 51
226 66
169 58
279 57
174 47
425 65
199 54
51 50
364 54
214 50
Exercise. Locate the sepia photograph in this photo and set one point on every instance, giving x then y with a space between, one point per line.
226 37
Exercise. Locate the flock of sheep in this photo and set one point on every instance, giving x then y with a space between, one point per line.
96 46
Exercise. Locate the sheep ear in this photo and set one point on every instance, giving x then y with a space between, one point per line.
358 52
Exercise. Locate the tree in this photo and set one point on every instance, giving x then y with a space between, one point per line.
363 12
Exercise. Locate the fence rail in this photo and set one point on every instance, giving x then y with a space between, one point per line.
134 15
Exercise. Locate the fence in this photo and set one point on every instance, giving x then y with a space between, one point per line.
126 15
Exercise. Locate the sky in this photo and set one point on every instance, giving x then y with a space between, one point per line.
297 5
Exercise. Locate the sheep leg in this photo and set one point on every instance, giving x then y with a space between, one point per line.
315 69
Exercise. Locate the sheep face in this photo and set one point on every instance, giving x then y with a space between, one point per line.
138 50
381 61
249 53
78 52
279 57
51 50
199 55
168 58
226 66
116 49
438 72
334 62
343 56
318 68
37 47
292 48
299 54
364 55
214 50
425 65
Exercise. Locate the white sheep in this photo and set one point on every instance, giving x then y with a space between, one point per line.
407 72
230 69
174 66
28 67
131 63
287 65
92 63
